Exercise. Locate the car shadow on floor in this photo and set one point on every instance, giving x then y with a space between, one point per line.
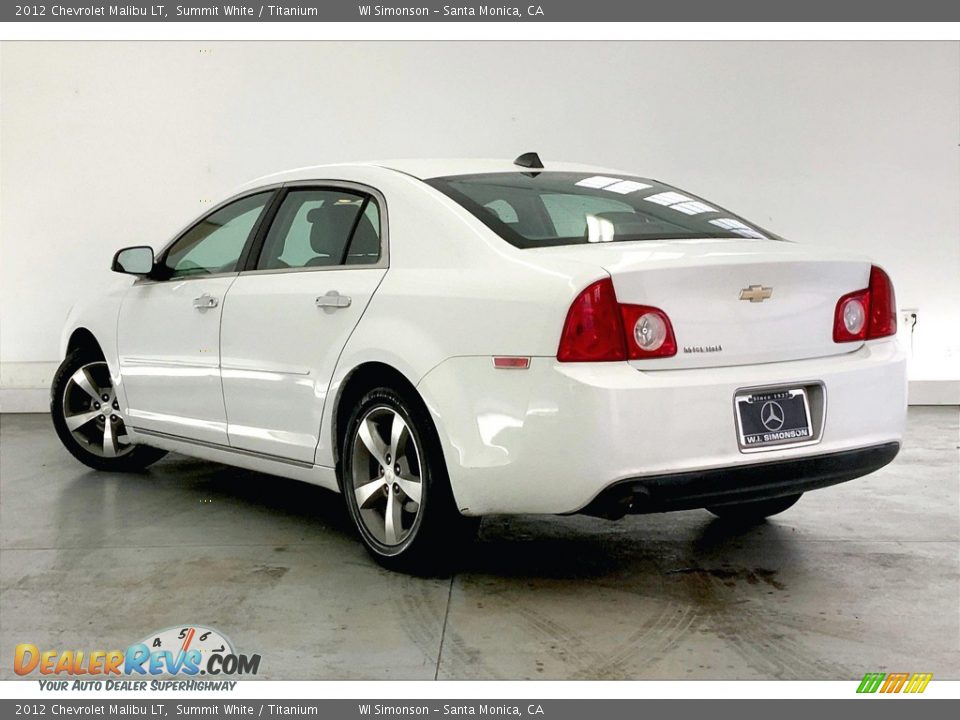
566 548
528 546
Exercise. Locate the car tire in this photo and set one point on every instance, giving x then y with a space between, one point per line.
396 488
755 510
88 419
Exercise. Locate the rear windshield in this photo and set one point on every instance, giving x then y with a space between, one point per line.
531 209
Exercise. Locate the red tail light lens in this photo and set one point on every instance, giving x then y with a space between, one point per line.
593 331
867 314
599 329
883 305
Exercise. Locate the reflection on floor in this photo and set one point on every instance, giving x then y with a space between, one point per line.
863 576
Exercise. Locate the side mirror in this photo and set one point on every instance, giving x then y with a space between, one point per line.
137 260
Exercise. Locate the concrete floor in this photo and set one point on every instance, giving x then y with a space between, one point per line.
863 576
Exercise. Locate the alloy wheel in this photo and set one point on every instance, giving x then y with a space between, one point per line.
92 413
386 476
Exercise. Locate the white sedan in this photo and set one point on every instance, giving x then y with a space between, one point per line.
443 340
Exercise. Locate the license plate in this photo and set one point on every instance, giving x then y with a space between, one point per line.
773 418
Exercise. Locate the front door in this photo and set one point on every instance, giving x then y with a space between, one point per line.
168 335
286 321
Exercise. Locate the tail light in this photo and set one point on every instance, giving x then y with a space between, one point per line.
599 329
593 331
883 305
867 314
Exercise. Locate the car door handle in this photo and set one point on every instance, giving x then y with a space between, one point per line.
205 302
333 300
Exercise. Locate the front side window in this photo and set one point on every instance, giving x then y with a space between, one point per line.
322 228
531 210
214 244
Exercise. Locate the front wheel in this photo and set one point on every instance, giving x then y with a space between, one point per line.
88 418
755 510
396 487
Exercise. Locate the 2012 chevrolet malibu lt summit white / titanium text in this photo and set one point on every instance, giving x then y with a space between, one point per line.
442 340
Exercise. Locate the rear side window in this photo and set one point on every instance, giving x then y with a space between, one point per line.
322 228
531 210
365 244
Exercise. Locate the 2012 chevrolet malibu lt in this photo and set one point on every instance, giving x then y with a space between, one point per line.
442 340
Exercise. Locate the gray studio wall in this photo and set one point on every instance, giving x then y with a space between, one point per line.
109 144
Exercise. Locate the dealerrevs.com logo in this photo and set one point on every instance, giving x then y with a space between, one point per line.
190 651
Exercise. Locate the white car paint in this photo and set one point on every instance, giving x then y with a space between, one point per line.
169 357
277 365
255 381
555 436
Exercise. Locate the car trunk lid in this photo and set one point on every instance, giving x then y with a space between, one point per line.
731 301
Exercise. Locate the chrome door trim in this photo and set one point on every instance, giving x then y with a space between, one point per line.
321 268
225 448
163 362
248 369
183 278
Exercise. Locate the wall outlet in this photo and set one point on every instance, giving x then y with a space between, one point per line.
908 317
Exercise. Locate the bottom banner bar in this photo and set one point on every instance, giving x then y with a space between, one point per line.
598 709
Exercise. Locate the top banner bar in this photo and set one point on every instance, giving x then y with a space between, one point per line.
525 11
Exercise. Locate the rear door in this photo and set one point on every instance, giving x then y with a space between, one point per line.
288 316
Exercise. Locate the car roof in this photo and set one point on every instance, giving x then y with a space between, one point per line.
439 167
425 169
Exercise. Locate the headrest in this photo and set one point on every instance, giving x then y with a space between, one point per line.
330 225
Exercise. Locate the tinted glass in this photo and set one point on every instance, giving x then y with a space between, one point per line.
214 244
313 228
365 243
532 210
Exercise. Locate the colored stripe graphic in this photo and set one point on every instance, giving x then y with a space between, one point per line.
894 682
918 682
871 682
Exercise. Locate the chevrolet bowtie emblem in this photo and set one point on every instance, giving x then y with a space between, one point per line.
756 293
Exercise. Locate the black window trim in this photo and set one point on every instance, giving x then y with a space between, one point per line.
442 184
367 192
161 256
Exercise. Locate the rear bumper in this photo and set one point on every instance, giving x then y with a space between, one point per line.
554 437
720 486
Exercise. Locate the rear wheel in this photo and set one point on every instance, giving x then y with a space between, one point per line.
755 510
396 488
88 418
